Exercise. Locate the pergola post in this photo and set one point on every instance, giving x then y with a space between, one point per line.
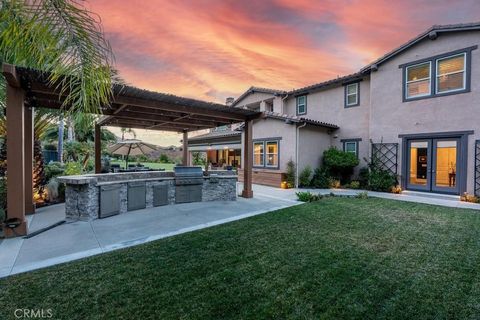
28 159
16 159
98 148
247 160
185 161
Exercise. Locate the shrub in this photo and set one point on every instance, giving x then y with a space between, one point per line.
52 190
50 147
54 169
381 180
363 177
73 169
362 195
335 184
320 179
308 196
290 175
199 158
469 198
304 176
339 163
55 190
354 184
164 158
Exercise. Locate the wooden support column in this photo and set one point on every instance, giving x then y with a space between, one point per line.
29 160
185 161
15 159
247 160
98 149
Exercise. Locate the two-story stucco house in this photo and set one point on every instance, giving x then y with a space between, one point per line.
415 109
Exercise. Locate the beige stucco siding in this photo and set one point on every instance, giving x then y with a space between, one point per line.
273 128
329 106
313 142
254 98
390 116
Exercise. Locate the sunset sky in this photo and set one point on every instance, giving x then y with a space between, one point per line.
209 49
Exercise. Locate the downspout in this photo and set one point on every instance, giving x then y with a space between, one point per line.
283 103
297 134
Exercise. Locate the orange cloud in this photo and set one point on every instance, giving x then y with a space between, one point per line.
213 49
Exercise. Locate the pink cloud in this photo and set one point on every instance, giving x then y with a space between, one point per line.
211 49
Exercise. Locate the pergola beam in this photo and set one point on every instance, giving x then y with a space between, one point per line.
182 108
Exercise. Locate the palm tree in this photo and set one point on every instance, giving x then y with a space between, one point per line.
64 39
128 130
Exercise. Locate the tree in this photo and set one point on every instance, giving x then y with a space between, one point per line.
128 130
64 39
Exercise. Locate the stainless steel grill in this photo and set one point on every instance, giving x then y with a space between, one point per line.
189 182
188 175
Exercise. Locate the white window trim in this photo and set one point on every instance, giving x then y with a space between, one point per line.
266 153
464 54
263 154
304 105
351 94
429 78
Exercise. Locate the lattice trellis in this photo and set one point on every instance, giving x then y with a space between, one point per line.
385 156
477 168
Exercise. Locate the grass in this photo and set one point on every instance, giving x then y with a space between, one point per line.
337 258
151 165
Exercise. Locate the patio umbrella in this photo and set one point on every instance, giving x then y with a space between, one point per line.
131 147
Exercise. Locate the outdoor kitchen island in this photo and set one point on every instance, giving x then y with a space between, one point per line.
88 197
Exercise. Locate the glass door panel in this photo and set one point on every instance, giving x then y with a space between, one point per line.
444 171
419 165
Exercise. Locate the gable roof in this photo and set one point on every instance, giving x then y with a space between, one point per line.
431 33
329 83
257 89
295 119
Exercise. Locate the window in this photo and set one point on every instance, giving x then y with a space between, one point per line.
351 145
272 154
451 73
258 154
439 75
418 80
266 153
352 95
301 104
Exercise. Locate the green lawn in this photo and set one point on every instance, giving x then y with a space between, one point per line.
339 258
151 165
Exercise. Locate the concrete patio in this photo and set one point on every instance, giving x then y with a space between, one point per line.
80 239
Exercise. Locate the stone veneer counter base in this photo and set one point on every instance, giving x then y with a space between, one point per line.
82 193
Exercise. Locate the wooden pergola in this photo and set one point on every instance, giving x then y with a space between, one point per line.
129 107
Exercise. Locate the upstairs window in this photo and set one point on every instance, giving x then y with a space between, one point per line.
451 74
418 80
352 95
301 105
444 74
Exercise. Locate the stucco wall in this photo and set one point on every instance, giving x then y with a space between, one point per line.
328 106
254 98
391 117
313 141
273 128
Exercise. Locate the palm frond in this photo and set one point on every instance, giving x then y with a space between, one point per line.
64 39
